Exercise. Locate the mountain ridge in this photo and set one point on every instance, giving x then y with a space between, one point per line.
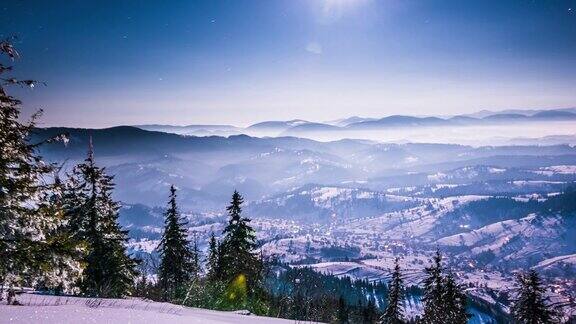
300 127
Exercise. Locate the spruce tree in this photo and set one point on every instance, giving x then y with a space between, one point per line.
434 292
29 220
394 313
196 263
444 300
195 288
60 256
212 260
455 301
93 215
177 264
531 305
237 258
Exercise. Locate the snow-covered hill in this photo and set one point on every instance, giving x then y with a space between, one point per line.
208 169
322 204
527 240
563 265
56 310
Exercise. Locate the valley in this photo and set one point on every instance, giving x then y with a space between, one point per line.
349 208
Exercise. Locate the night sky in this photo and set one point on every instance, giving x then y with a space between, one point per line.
239 61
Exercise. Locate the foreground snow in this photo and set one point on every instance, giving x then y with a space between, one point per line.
51 310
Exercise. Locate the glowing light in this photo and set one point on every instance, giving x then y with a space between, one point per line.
237 290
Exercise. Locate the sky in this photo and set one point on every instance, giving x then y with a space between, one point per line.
237 62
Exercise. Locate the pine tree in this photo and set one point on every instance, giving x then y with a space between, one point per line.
444 300
212 260
93 215
531 306
195 291
394 313
455 301
238 261
28 217
434 292
61 254
196 263
177 259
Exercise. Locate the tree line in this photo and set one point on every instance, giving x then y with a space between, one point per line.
238 278
63 235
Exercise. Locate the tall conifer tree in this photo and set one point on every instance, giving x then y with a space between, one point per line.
60 258
434 291
394 313
93 214
29 218
195 290
531 306
237 258
444 300
455 301
177 259
196 263
212 259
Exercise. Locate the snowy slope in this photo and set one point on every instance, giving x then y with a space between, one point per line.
568 259
563 265
53 309
323 204
414 223
531 238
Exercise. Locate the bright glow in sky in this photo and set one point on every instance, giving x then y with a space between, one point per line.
239 62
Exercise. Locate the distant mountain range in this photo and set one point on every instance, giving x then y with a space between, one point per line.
199 130
298 127
526 112
207 169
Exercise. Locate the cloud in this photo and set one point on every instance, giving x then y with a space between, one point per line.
314 48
